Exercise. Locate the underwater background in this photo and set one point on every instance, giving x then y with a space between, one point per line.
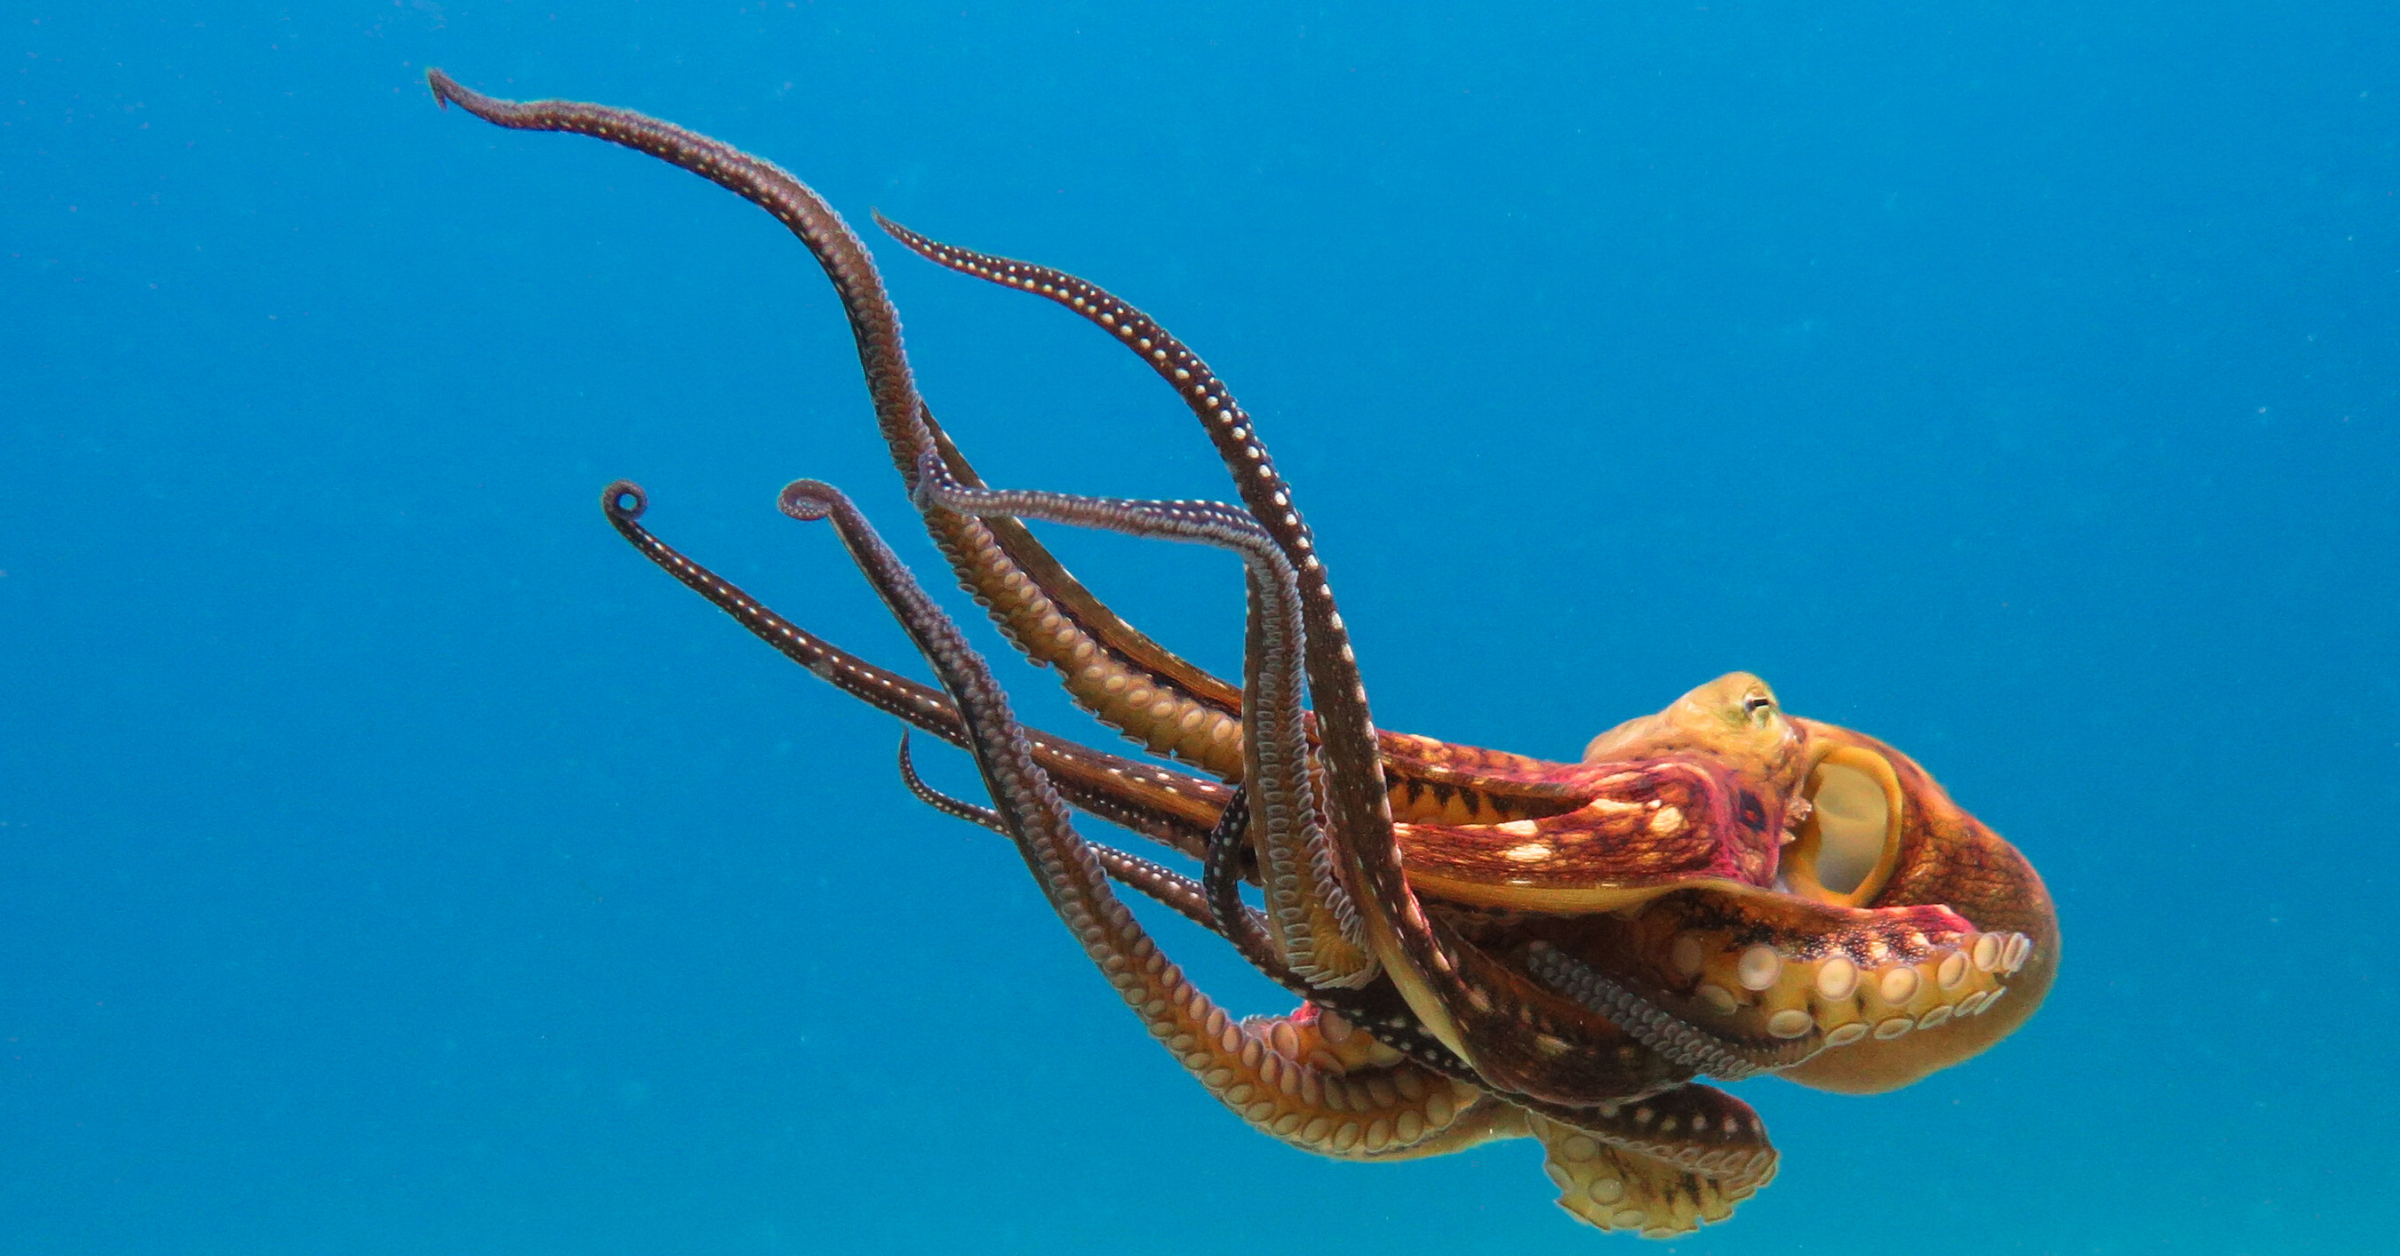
392 861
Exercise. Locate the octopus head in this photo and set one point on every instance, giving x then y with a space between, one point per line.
1733 720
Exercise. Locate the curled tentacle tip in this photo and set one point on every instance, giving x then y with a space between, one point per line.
808 500
624 500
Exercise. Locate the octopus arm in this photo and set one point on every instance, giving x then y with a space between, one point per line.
1175 809
1525 1040
1433 780
1111 669
1313 922
1167 806
1823 994
1266 1072
1651 825
1664 1165
1047 628
1442 782
1660 1166
1163 885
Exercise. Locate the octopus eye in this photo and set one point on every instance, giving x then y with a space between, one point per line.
1758 707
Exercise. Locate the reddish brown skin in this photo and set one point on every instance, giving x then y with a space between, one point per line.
1550 1066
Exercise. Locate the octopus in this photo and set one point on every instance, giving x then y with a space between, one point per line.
1485 945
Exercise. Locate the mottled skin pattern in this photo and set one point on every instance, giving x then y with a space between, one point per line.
1487 945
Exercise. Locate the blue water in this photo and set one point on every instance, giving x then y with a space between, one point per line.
392 861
